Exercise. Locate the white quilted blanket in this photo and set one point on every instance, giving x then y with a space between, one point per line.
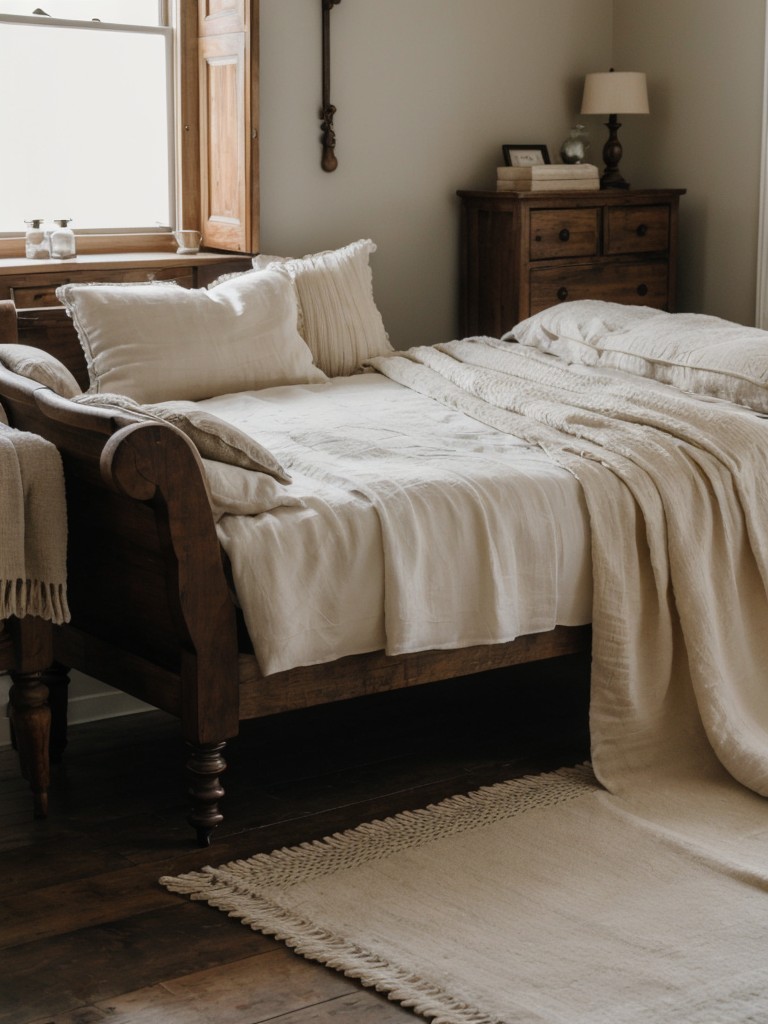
677 491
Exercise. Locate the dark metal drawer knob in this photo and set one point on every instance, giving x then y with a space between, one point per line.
642 289
642 230
562 293
565 234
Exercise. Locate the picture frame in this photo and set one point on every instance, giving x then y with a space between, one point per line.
525 155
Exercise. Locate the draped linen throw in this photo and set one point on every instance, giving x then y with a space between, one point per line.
33 528
677 492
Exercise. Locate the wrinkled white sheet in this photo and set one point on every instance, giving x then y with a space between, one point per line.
419 528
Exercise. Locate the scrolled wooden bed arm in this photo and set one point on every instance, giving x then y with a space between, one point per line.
148 462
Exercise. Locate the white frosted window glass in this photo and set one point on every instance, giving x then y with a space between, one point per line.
125 12
88 114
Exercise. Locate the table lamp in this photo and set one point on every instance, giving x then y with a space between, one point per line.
614 92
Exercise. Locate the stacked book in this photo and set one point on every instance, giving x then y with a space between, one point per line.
547 178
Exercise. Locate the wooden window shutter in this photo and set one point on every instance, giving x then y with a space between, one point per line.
228 119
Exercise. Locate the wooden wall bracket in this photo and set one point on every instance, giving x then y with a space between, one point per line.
328 137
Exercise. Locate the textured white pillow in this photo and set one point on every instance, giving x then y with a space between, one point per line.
214 438
700 354
159 341
237 491
338 317
703 355
573 330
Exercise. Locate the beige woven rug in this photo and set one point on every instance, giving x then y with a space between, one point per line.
542 900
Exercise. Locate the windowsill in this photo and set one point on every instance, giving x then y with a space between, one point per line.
16 266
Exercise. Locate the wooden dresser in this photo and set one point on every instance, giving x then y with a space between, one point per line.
524 251
32 285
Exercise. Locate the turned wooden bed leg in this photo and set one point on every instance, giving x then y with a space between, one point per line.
57 679
30 717
205 765
28 705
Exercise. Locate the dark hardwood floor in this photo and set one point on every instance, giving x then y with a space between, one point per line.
89 936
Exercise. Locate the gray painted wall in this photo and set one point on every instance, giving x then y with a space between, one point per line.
704 60
427 91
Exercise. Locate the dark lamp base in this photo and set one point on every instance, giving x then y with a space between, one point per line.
611 177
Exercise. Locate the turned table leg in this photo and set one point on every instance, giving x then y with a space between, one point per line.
30 717
29 710
57 680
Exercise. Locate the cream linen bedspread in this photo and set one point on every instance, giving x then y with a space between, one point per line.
418 528
677 491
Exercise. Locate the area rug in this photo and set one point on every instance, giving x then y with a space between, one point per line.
542 900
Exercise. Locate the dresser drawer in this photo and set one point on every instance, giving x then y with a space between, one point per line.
636 229
558 234
42 292
642 284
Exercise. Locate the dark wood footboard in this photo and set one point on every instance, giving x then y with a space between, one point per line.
152 611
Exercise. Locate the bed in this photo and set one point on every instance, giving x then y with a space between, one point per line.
260 527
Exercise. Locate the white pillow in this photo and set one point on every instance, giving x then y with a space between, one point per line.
237 491
159 341
573 330
214 438
338 317
701 354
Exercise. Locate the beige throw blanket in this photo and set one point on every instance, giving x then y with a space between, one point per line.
33 528
677 492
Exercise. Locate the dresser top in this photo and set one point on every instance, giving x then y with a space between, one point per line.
579 197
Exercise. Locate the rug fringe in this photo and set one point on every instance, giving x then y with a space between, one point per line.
377 839
320 946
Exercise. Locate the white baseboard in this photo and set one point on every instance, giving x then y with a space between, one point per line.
89 701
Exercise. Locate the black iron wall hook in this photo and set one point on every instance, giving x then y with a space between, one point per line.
328 138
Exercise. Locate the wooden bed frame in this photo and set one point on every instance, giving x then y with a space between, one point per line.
152 607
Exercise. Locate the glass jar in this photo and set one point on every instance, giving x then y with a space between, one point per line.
62 241
36 245
574 148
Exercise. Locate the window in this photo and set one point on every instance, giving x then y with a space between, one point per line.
96 136
116 123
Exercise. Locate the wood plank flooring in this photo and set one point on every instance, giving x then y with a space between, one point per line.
87 934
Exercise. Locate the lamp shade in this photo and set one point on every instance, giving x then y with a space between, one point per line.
615 92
